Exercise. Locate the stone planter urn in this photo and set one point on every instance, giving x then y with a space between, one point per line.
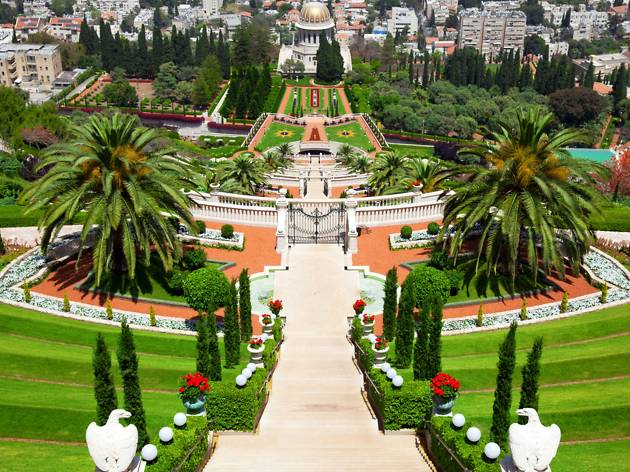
443 406
267 328
379 356
255 355
367 328
195 407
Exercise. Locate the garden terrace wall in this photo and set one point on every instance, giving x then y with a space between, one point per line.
213 125
142 114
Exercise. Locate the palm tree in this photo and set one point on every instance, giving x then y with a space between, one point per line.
275 162
345 155
285 150
244 173
125 180
361 165
388 169
533 197
428 172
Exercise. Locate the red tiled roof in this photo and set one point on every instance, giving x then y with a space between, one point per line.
27 22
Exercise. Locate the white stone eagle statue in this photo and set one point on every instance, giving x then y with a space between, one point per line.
533 445
112 446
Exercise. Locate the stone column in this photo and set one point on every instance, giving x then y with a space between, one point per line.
417 193
214 192
282 230
351 210
302 182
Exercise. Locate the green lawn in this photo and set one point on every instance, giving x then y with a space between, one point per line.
49 358
274 137
14 216
615 218
590 350
288 108
323 101
413 150
350 133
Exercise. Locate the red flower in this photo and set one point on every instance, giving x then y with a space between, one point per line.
275 306
444 385
193 386
380 344
255 342
368 319
358 306
266 319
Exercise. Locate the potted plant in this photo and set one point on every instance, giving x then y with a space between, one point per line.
256 347
367 321
358 306
380 348
445 391
192 391
267 324
275 306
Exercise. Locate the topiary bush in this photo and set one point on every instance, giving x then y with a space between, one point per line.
201 226
206 289
457 278
439 259
193 259
227 231
405 407
187 449
433 228
406 232
428 282
175 281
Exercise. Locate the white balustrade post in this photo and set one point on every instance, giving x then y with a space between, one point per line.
302 182
282 230
214 192
351 210
417 193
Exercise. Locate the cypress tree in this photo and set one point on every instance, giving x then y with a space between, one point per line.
14 39
589 77
142 60
405 327
435 339
503 392
389 304
213 348
245 305
203 346
223 54
157 50
104 390
421 346
128 364
232 336
425 70
202 48
619 89
3 249
531 372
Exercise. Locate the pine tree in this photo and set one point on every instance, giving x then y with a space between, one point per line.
245 305
202 48
232 336
503 392
389 304
128 364
421 346
405 328
531 372
203 346
589 77
104 390
213 348
435 339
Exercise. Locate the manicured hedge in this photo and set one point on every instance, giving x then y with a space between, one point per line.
186 451
428 282
470 455
236 408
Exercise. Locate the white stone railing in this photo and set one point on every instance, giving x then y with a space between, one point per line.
226 213
399 214
283 181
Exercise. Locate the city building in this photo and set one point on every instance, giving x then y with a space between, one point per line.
401 20
212 7
37 8
439 10
123 7
603 64
29 62
65 28
491 32
27 25
314 20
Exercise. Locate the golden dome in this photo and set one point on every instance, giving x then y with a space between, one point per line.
314 12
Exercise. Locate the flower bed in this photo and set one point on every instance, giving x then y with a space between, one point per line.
420 238
213 238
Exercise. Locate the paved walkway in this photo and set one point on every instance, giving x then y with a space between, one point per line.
314 123
316 419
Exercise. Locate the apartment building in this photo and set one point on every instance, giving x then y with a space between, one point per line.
27 25
29 62
65 28
402 19
212 7
440 10
491 32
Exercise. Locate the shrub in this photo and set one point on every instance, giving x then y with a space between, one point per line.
269 355
206 289
229 407
564 304
108 310
405 328
213 348
408 406
193 259
433 228
186 451
531 373
503 393
245 305
104 390
389 304
175 281
426 283
66 302
356 330
231 329
603 297
523 314
365 355
152 320
201 226
479 322
277 330
439 259
27 293
227 231
406 232
456 278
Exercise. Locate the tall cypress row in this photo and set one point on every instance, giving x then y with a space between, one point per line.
503 392
405 328
232 336
128 364
421 346
389 304
531 372
203 346
104 390
435 339
245 305
213 348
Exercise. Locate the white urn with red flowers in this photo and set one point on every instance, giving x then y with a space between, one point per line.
380 348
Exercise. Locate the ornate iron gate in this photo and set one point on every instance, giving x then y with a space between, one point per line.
325 224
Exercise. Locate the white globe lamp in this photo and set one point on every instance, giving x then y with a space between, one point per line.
149 452
473 434
385 367
179 419
391 373
458 420
372 338
166 434
397 381
252 367
492 450
246 372
241 380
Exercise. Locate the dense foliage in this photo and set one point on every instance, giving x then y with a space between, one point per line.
390 301
206 289
531 373
232 336
245 305
405 325
104 390
426 284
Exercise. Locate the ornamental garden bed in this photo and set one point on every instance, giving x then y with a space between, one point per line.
350 133
279 133
213 238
